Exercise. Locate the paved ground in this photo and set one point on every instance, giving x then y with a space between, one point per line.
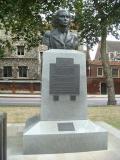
39 95
113 152
30 100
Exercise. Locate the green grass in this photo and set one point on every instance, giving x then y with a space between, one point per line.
18 114
109 114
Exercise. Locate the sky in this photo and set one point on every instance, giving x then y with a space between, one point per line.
93 51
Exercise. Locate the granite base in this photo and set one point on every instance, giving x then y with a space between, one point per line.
48 137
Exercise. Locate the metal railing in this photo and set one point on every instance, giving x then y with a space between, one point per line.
3 136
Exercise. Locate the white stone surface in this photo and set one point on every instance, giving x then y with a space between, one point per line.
64 109
45 137
48 139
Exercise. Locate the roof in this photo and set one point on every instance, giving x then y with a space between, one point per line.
98 62
112 46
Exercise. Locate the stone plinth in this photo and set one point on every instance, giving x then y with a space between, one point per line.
64 127
47 137
71 104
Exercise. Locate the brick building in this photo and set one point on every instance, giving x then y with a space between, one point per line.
95 81
20 69
113 51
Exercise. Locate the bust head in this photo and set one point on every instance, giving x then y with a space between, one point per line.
59 38
62 18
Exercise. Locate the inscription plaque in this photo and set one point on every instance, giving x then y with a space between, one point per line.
72 98
64 77
65 127
55 98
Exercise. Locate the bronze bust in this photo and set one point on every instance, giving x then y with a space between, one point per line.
60 37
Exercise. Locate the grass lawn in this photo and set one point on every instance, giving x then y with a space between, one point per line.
109 114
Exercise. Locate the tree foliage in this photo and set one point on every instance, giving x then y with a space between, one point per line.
23 18
20 18
95 16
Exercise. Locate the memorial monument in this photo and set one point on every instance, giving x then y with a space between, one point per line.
64 125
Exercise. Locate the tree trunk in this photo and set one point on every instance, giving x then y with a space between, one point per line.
88 53
107 69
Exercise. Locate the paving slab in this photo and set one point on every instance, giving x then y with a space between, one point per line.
66 156
105 155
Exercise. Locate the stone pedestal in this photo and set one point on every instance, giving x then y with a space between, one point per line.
64 126
48 137
64 108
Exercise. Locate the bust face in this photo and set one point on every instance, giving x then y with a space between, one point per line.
63 17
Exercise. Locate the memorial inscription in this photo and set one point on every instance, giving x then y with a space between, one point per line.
64 77
66 127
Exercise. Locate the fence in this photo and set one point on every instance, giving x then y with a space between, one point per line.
3 136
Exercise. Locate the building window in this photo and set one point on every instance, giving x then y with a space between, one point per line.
114 72
23 71
7 71
20 50
100 72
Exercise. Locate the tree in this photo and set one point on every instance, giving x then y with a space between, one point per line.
97 19
23 18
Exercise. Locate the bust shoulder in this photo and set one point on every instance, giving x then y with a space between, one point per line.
75 37
47 34
46 38
73 34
